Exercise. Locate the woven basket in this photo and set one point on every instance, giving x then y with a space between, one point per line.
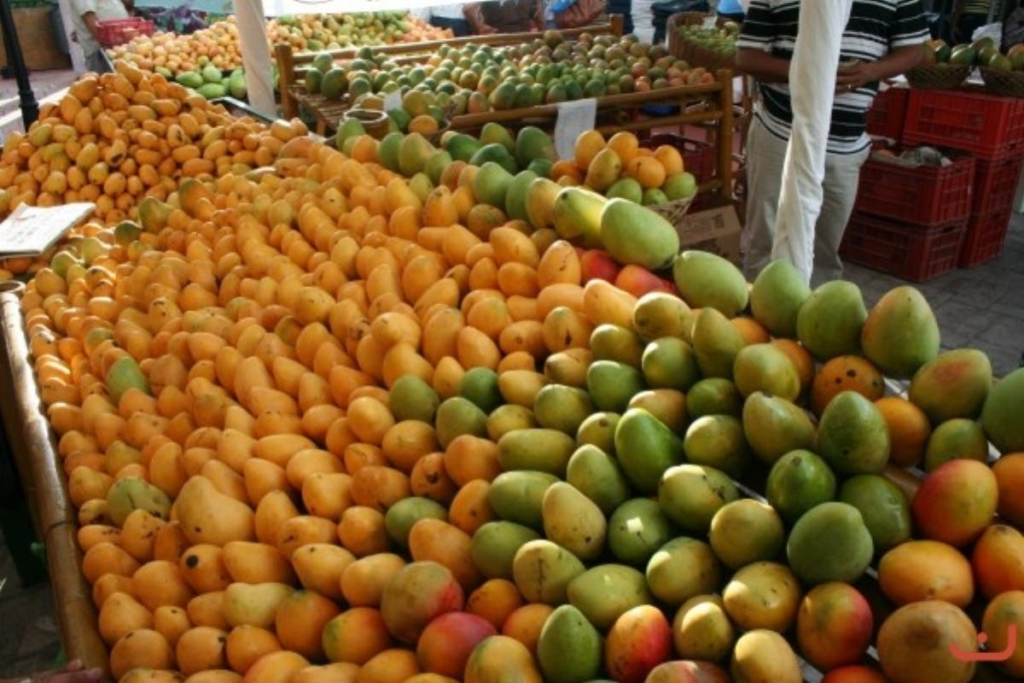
944 77
691 53
1005 83
675 211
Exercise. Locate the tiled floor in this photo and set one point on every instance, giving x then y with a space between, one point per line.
981 307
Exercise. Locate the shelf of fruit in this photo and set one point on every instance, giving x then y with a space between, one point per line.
469 85
172 54
709 47
378 414
947 67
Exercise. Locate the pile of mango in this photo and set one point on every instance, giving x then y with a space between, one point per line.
332 421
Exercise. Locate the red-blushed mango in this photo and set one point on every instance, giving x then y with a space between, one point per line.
998 560
447 642
926 570
914 644
834 625
855 673
1009 471
953 384
416 595
1000 414
900 333
955 502
688 671
638 641
500 659
356 636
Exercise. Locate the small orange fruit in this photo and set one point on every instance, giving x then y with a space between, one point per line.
648 171
588 144
909 430
625 145
670 159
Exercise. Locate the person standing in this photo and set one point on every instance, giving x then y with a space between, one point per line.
883 38
450 17
87 34
505 16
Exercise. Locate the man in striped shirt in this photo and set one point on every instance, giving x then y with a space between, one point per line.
883 38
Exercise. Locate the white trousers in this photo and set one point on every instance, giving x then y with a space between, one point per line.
766 155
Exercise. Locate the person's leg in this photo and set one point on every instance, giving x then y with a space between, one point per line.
842 174
765 157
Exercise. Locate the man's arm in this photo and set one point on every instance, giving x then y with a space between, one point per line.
762 65
475 17
898 61
90 23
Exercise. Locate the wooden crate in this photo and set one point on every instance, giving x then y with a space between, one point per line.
39 44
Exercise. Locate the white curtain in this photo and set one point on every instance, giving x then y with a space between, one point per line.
812 75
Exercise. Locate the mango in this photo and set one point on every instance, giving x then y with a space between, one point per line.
410 398
457 416
660 314
253 604
830 543
129 494
417 594
714 396
518 496
413 152
852 435
716 344
830 320
797 482
914 644
544 450
706 280
958 438
491 184
955 502
690 495
577 214
617 343
746 531
762 595
495 545
401 517
124 374
599 430
562 407
884 507
900 333
531 144
606 591
598 476
480 386
494 133
774 426
1000 417
208 516
926 570
573 521
501 659
834 625
604 169
763 655
688 671
509 418
638 641
633 234
645 449
569 648
681 569
763 367
515 197
636 529
669 363
953 384
447 643
542 571
717 441
1005 609
540 203
568 367
776 297
611 385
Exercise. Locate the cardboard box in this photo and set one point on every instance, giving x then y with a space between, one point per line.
716 230
38 40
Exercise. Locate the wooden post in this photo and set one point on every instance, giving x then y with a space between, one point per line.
726 128
285 78
618 23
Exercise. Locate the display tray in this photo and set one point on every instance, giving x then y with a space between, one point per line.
38 463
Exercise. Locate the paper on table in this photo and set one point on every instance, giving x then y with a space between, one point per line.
393 100
574 118
30 230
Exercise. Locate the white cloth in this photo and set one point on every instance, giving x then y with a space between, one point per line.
813 73
643 19
252 34
105 10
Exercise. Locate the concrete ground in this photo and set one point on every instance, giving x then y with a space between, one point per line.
45 85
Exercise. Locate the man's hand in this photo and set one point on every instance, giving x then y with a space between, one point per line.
856 75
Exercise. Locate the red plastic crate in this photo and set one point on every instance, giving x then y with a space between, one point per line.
985 237
117 31
925 195
887 114
910 252
995 184
992 127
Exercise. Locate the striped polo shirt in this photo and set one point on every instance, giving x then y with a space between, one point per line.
875 27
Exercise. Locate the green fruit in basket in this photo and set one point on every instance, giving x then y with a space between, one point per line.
236 85
323 62
212 74
627 188
1001 62
190 79
1017 60
964 55
653 197
680 186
